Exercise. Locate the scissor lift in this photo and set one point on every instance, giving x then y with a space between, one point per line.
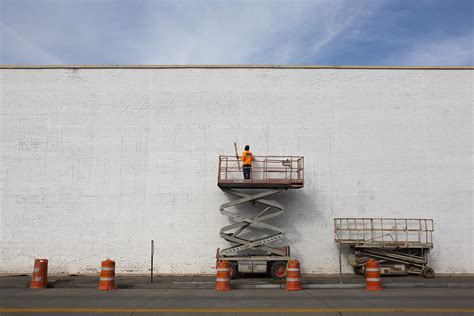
400 244
270 175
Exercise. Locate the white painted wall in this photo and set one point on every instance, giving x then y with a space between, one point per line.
97 162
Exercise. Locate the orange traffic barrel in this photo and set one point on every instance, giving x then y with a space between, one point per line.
372 276
223 276
39 279
107 275
293 276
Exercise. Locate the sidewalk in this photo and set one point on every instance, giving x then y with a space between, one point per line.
207 282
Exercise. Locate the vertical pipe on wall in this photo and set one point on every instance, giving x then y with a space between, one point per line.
152 252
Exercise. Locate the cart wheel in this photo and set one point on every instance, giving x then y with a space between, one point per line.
358 271
233 270
428 272
278 270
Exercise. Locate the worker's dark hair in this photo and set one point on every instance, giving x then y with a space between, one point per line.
247 147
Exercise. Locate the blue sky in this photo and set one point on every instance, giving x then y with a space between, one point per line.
318 32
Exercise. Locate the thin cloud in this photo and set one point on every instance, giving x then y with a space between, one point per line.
256 32
452 51
365 32
21 49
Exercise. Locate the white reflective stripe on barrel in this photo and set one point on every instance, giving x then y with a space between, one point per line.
223 269
372 270
293 279
293 269
107 269
106 279
372 279
221 280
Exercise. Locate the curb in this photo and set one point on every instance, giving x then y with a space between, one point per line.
207 285
429 285
333 286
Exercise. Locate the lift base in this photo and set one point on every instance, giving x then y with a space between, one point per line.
393 262
251 263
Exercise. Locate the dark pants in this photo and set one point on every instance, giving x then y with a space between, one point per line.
247 171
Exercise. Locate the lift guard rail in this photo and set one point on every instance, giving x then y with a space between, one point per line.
263 167
384 232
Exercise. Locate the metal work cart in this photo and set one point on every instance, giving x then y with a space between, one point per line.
270 175
400 244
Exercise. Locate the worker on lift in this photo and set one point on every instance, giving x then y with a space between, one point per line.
247 158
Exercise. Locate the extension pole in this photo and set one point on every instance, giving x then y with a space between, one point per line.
237 154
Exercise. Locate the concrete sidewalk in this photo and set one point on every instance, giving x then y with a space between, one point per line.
249 282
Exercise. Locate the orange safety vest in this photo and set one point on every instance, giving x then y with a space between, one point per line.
247 157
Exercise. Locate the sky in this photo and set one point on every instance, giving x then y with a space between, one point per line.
297 32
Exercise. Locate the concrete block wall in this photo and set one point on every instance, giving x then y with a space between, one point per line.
95 163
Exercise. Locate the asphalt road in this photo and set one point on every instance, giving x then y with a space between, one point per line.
237 302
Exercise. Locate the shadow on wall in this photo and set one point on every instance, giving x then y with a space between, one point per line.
301 213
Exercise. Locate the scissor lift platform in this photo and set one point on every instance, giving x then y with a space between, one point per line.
260 184
268 172
271 175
